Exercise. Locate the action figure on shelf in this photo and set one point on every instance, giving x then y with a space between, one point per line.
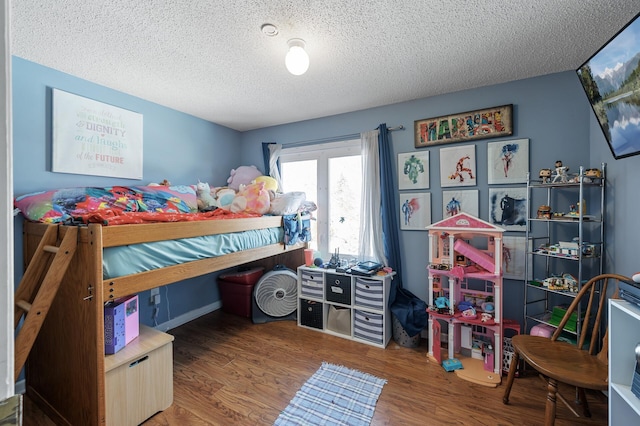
561 172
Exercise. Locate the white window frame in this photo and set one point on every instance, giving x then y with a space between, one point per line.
322 153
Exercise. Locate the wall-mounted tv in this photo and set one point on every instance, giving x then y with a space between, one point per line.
611 80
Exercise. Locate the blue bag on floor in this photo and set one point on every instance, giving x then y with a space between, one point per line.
410 310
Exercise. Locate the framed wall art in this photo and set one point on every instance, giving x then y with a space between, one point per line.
94 138
415 211
464 126
508 161
508 208
454 202
458 166
413 170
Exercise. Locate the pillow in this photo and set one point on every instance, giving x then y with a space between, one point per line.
65 204
289 203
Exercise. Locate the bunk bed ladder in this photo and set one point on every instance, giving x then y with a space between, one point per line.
39 286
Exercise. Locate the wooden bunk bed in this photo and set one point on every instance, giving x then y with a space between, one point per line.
65 371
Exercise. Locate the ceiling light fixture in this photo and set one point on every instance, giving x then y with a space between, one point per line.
297 59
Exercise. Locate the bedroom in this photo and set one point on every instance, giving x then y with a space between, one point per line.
555 99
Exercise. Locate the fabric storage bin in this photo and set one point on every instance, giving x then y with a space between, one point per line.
401 337
339 319
311 313
369 293
338 288
368 326
311 284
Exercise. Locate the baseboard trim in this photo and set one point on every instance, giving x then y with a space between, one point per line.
189 316
21 387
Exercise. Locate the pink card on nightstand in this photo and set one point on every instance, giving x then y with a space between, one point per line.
131 318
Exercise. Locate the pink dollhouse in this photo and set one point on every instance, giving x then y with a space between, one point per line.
465 294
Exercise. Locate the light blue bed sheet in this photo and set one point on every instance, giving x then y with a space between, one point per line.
135 258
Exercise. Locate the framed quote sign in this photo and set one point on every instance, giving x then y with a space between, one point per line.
94 138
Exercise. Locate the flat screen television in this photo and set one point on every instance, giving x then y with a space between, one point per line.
611 80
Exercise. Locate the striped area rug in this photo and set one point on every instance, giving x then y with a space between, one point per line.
334 395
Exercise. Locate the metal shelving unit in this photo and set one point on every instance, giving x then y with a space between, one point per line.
581 233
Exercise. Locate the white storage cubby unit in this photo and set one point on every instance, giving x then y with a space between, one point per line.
624 335
565 243
344 305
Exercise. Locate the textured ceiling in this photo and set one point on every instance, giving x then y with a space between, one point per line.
210 59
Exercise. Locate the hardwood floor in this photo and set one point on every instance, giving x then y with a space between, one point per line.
228 371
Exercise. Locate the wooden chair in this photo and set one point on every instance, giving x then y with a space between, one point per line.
558 361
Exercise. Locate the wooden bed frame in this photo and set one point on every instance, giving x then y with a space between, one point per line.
65 371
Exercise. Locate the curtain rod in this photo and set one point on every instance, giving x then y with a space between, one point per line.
334 138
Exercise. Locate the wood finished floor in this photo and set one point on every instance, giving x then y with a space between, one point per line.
228 371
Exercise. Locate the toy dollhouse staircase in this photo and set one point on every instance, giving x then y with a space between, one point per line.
39 286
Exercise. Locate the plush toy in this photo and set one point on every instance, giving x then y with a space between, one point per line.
224 197
205 200
270 184
163 183
251 199
243 175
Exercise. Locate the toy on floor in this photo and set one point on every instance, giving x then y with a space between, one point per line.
452 364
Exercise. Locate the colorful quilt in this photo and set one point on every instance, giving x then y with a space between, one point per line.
79 204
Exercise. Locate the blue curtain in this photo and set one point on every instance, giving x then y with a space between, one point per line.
265 157
389 209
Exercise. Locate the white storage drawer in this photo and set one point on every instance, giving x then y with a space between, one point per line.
370 293
368 326
311 284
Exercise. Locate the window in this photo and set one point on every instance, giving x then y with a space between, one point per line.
331 176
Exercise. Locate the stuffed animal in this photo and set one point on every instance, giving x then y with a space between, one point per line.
163 183
251 199
224 197
243 175
270 184
205 200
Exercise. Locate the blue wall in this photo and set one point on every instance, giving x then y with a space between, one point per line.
551 111
177 147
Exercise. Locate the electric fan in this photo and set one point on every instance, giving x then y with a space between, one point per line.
275 297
